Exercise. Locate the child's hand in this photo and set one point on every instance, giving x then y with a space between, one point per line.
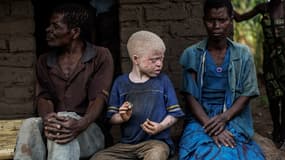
125 111
151 127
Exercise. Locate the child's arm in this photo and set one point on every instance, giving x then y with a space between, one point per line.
125 112
153 128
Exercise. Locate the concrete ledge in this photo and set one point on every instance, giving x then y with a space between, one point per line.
6 153
9 130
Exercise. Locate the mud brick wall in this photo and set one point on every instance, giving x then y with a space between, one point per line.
178 22
17 58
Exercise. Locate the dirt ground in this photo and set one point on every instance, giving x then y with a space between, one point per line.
261 114
263 126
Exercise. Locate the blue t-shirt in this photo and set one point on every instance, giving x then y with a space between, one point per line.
153 100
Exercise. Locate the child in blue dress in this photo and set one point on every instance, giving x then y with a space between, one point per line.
219 79
144 103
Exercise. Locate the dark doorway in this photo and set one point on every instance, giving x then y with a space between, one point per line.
104 29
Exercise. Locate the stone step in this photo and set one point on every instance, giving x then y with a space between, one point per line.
9 130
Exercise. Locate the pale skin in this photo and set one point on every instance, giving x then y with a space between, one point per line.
145 66
150 127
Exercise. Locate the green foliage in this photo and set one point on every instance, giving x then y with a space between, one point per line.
249 32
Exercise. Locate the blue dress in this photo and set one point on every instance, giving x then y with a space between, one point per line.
195 143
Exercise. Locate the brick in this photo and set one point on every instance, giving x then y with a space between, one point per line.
19 92
21 8
126 65
130 13
187 1
126 33
172 64
197 31
4 8
16 26
17 60
180 29
2 86
177 1
175 46
3 44
188 29
166 12
14 109
17 44
130 24
159 28
197 1
124 51
20 76
196 10
176 79
139 1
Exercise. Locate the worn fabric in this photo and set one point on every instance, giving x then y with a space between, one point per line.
90 80
153 100
147 150
238 78
32 146
196 145
241 78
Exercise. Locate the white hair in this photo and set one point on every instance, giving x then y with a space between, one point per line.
144 41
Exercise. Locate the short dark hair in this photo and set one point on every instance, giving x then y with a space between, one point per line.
210 4
74 15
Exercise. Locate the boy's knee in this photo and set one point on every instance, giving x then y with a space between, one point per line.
159 151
